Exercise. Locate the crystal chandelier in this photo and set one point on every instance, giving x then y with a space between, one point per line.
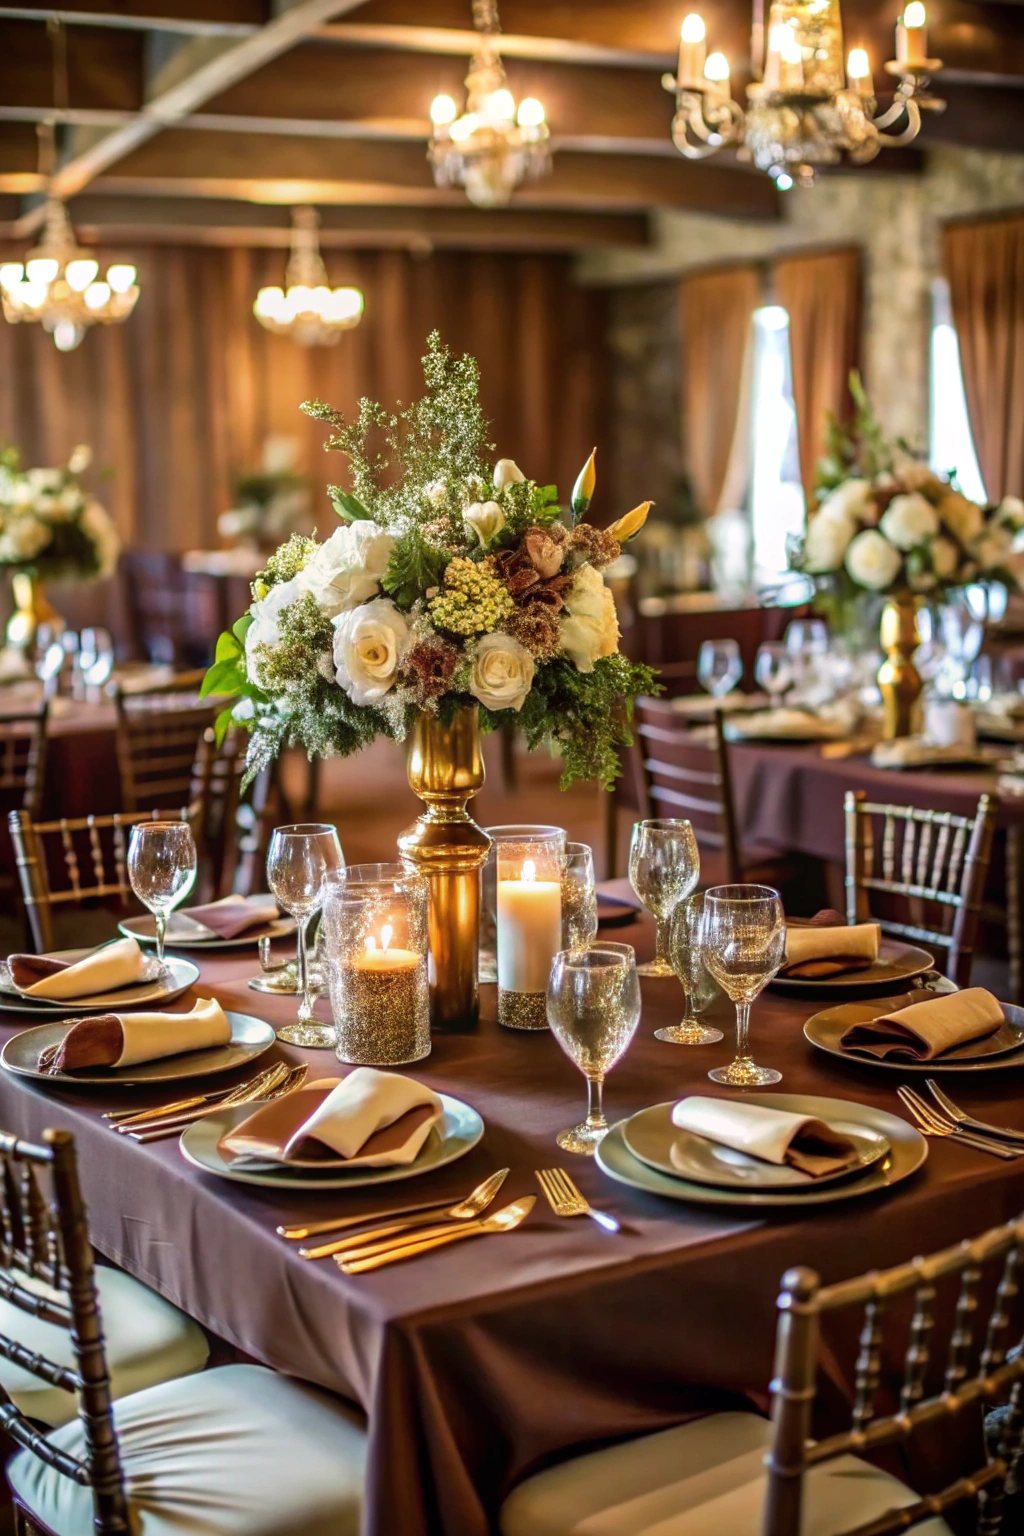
803 110
60 287
307 310
493 145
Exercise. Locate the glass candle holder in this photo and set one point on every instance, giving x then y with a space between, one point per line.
514 832
529 928
376 945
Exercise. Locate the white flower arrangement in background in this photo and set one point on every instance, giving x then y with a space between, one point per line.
50 527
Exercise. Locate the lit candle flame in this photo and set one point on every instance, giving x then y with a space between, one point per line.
529 871
385 935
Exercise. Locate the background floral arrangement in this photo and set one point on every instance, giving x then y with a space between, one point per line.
270 502
449 583
50 527
887 523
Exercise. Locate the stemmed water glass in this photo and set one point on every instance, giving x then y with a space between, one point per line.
579 896
299 860
719 666
593 1006
664 866
743 941
773 669
162 865
95 656
698 983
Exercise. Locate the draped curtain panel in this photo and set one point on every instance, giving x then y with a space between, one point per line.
714 310
822 294
985 266
178 401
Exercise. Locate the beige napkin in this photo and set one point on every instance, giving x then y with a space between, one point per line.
125 1039
104 970
370 1118
826 946
924 1030
774 1135
233 915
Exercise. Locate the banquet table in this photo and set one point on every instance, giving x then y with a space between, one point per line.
480 1363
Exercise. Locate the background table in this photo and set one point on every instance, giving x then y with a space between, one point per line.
478 1364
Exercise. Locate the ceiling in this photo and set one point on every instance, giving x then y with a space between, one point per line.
205 120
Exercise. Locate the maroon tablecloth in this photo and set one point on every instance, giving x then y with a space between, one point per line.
479 1363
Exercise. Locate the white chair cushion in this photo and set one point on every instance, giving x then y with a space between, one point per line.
148 1341
236 1451
704 1477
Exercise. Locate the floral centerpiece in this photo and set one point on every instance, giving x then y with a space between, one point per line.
269 502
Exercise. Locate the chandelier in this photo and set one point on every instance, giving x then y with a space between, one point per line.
306 309
60 287
493 145
803 110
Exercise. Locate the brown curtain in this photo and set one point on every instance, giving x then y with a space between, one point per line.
822 294
985 267
178 400
715 311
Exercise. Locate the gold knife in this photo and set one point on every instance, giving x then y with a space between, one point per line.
462 1210
505 1220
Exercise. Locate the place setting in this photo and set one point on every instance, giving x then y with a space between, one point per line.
117 974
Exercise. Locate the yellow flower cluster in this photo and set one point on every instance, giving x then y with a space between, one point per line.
472 601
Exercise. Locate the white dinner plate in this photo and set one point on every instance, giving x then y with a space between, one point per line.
183 932
156 987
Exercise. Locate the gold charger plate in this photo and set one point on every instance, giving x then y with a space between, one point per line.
250 1037
1005 1048
897 962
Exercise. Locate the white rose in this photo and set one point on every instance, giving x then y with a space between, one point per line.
369 642
486 520
435 491
909 520
1010 511
507 472
45 479
347 569
265 628
502 672
945 557
21 539
827 540
100 527
872 561
81 458
591 629
963 518
847 500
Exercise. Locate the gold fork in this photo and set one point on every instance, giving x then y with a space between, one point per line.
932 1124
565 1199
268 1089
179 1106
237 1095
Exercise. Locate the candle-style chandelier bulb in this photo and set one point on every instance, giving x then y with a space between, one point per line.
308 309
57 285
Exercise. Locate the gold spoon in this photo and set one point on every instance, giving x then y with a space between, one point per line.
465 1210
505 1220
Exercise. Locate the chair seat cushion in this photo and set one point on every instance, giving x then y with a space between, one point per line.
148 1340
237 1451
705 1478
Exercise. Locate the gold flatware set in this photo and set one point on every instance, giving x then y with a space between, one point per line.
934 1122
170 1119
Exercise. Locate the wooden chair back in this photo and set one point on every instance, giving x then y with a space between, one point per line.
74 860
23 759
44 1235
158 738
679 775
928 865
976 1372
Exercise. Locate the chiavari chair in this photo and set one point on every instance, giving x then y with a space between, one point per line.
929 866
22 769
205 1449
158 737
738 1475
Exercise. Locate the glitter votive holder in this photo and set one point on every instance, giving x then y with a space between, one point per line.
529 929
376 946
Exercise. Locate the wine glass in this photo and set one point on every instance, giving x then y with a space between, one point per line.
773 669
593 1005
162 864
664 866
299 860
698 984
96 656
579 897
806 640
515 832
719 666
743 942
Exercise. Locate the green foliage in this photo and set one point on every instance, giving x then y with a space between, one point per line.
346 505
287 561
854 448
584 716
414 567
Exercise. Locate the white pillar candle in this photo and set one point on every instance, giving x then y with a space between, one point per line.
912 35
529 930
692 50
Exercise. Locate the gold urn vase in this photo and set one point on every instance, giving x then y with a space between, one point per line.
30 610
446 769
898 678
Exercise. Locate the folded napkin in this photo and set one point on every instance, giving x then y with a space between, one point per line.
774 1135
104 970
825 945
924 1030
124 1039
232 915
371 1119
799 724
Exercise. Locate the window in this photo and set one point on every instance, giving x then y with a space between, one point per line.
776 497
949 428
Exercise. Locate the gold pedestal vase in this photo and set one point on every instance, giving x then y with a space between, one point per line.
446 770
30 610
898 679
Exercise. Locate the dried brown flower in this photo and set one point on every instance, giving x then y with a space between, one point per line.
542 552
536 628
429 666
593 545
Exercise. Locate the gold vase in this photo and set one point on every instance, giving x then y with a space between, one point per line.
446 769
898 678
30 610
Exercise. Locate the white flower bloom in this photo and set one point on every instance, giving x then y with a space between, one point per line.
265 628
872 561
45 479
347 569
847 500
591 629
21 539
502 672
81 458
435 491
909 520
369 642
827 540
507 472
1011 512
963 518
486 520
22 492
945 557
97 525
245 709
